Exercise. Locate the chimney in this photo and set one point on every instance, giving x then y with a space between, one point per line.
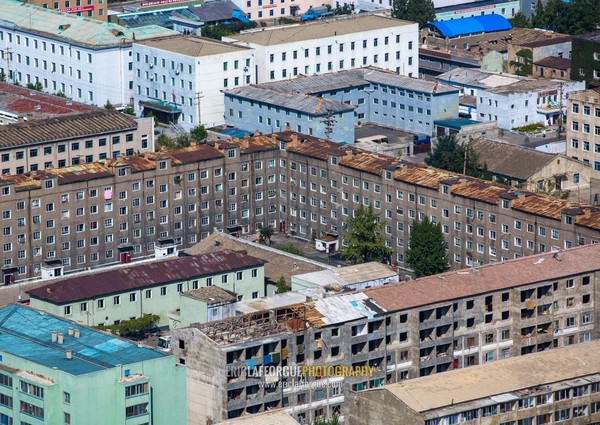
70 331
587 212
69 354
245 142
61 338
77 333
53 336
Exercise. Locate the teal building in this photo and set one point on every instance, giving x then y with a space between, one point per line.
56 372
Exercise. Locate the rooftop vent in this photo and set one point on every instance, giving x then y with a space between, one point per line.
54 333
69 354
61 338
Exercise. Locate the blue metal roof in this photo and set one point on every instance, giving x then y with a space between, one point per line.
472 25
27 333
455 123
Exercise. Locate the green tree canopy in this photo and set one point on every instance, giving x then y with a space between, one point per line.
572 17
426 253
523 63
134 328
451 155
421 11
520 21
265 234
199 133
364 240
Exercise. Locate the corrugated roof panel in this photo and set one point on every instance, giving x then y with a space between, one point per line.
471 25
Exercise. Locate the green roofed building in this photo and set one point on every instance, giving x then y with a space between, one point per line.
56 372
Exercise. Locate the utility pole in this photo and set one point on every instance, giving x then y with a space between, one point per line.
329 123
560 105
8 53
198 97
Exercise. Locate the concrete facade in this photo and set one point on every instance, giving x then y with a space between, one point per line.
295 183
393 330
180 79
333 45
583 127
88 137
568 391
558 47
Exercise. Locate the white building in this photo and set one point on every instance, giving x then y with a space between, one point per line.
327 46
89 61
526 102
180 78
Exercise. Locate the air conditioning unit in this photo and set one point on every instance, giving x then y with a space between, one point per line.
245 69
177 72
151 66
152 78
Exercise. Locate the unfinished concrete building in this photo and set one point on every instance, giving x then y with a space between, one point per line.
400 331
551 387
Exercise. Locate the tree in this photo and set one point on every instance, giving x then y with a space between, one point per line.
134 328
421 11
108 105
265 234
426 253
451 155
164 142
37 86
282 285
333 421
523 63
199 133
183 141
520 21
128 110
364 239
2 77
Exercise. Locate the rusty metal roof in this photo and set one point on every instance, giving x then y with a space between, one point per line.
65 127
492 277
212 295
134 277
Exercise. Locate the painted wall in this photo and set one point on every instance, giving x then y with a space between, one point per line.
166 396
318 56
507 9
158 300
252 116
192 84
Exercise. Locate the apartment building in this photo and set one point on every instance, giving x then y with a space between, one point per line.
584 61
375 95
180 78
550 387
295 183
257 108
95 9
583 127
112 296
72 140
258 10
87 60
52 370
401 331
333 45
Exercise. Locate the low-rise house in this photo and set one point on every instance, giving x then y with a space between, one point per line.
533 170
553 67
358 276
122 293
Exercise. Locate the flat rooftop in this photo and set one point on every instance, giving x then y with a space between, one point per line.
273 417
191 45
478 78
27 333
351 24
33 104
212 295
72 28
498 378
